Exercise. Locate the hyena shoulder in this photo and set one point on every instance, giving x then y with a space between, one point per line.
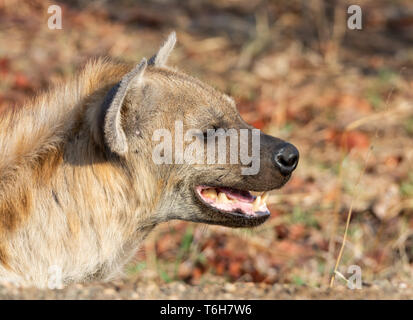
36 141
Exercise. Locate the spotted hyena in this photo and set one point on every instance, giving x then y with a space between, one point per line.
80 184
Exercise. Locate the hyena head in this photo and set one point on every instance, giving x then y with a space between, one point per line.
204 157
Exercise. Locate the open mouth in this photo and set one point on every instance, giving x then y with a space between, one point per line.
234 201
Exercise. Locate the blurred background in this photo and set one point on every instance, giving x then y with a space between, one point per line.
343 97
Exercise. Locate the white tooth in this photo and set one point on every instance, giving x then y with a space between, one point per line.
222 198
264 196
256 204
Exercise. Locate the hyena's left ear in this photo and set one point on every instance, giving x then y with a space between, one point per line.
114 134
160 58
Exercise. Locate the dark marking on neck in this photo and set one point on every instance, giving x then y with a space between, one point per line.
56 199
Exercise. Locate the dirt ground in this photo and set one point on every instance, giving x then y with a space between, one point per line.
211 291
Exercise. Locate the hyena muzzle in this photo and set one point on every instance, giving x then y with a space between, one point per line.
80 186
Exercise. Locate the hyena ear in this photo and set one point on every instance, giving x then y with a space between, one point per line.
160 58
114 135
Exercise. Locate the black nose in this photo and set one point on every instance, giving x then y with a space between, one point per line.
286 158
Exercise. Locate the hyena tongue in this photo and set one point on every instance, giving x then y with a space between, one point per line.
236 194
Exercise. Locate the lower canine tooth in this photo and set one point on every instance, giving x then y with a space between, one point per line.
256 204
222 198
